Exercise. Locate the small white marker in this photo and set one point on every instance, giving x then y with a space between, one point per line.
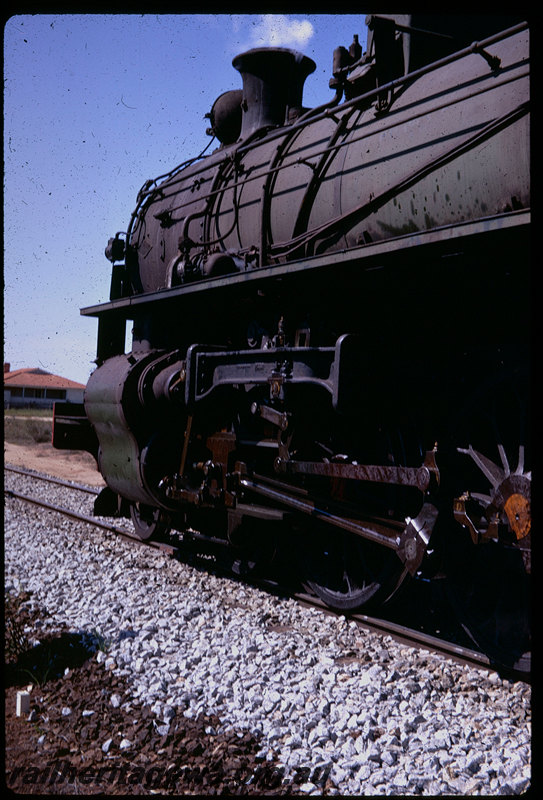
23 703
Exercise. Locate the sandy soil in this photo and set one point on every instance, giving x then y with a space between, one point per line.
73 465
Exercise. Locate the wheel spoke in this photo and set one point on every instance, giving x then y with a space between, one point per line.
348 573
490 470
520 467
505 462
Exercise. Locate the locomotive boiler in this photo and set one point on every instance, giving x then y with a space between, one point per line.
330 324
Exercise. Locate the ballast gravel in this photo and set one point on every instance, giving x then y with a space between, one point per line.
352 712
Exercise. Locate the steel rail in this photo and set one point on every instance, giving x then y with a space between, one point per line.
51 479
411 637
401 632
106 526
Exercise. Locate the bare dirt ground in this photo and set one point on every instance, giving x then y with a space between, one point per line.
73 465
58 748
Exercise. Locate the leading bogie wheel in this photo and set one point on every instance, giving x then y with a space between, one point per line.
148 522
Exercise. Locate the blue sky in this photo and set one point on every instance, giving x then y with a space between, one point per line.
94 105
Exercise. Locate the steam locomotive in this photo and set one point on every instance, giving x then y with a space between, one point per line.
331 312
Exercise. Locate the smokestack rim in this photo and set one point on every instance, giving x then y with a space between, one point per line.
251 58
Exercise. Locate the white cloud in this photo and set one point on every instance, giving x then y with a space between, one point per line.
279 30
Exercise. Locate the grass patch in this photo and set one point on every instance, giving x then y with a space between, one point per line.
17 619
47 413
22 430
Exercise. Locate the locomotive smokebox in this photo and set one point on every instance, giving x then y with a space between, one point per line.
273 82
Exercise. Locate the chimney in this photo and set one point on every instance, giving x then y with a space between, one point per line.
7 367
273 83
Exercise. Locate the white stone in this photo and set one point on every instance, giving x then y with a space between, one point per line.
197 650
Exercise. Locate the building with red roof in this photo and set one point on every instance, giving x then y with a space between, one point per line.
32 387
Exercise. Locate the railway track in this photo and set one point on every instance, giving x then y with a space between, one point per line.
106 526
188 548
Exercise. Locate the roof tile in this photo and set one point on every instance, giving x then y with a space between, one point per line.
36 378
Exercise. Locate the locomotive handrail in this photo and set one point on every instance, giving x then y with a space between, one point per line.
295 242
145 193
310 117
287 164
371 205
475 47
311 189
214 193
